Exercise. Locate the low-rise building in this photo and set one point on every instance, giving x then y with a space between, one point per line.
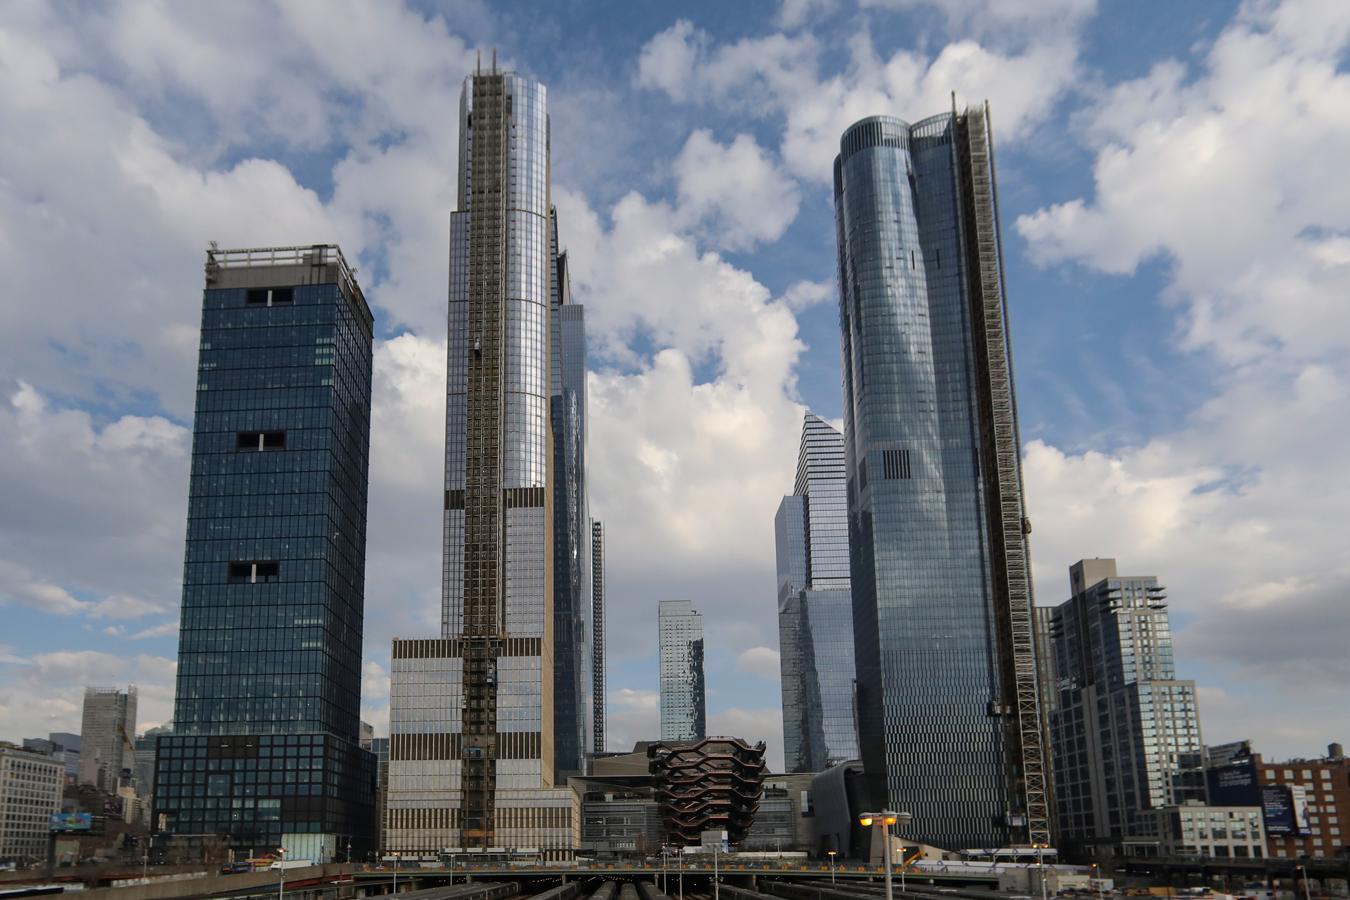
1196 829
30 791
783 821
1305 802
618 819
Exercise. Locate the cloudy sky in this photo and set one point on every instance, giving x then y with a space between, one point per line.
1176 223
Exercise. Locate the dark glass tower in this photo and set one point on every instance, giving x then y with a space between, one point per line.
266 722
815 613
948 715
572 626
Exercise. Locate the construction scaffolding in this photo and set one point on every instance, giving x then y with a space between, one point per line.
1000 448
484 513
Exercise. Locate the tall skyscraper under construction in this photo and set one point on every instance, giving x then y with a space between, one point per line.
948 713
472 712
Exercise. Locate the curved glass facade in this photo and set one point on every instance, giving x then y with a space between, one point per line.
927 585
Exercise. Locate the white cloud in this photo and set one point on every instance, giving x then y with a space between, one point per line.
806 294
631 715
754 75
164 629
98 525
1233 176
1227 169
753 726
994 18
45 692
778 75
795 13
736 191
761 662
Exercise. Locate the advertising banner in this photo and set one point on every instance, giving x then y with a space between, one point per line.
1299 799
1234 784
1278 809
71 821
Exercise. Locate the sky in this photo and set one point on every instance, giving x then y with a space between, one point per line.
1176 227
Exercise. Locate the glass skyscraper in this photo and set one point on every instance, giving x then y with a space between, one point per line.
1125 730
948 714
815 612
266 722
107 730
472 713
572 625
683 704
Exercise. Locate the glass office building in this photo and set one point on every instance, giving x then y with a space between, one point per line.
472 719
266 723
683 704
107 728
815 612
1125 730
572 613
948 715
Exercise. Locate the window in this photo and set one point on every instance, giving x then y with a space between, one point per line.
269 296
260 440
895 464
254 571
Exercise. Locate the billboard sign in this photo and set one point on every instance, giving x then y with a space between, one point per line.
64 822
1234 784
1278 808
1299 799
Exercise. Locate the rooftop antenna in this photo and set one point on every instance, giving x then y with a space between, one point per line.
494 60
479 69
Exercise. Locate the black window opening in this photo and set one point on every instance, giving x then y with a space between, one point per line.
260 440
895 465
269 296
254 571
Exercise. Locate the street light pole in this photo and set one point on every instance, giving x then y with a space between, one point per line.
281 871
394 889
885 819
831 855
902 821
1307 891
717 881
